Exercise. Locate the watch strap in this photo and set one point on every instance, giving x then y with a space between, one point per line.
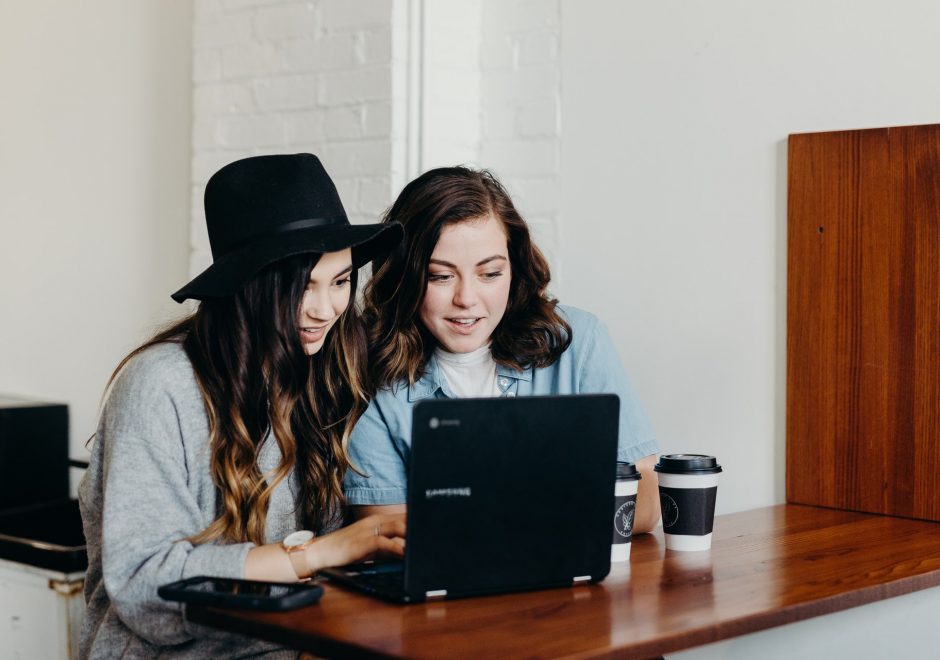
298 559
295 545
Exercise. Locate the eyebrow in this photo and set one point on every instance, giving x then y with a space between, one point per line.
347 269
447 264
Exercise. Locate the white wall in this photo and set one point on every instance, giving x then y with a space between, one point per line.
451 80
520 99
675 118
94 190
491 97
899 627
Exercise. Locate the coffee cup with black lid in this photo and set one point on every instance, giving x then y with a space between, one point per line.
688 486
625 489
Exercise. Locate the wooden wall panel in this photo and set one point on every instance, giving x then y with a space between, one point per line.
863 320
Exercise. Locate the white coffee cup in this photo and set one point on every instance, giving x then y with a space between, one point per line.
688 486
625 490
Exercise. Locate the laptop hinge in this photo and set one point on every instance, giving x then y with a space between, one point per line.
581 578
437 593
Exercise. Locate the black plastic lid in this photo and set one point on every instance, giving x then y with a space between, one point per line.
627 471
687 464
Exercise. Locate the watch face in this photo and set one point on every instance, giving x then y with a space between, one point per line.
297 538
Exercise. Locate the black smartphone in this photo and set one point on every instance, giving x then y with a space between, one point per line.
242 594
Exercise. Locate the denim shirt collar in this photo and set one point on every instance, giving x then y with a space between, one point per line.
433 381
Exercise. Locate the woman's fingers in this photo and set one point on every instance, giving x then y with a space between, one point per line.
383 534
393 524
394 528
389 546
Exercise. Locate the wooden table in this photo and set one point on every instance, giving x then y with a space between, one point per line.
767 567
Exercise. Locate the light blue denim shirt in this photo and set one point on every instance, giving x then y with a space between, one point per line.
380 445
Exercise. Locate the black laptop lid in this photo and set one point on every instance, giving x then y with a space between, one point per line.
510 493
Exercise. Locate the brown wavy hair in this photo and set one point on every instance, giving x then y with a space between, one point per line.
255 378
531 333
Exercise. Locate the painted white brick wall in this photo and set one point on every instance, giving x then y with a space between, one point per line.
520 111
382 90
451 103
282 76
491 98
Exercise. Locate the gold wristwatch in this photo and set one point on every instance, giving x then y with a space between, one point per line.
295 545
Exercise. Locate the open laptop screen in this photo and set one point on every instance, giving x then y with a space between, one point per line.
504 494
510 493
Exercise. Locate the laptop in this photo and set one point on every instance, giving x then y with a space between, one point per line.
504 494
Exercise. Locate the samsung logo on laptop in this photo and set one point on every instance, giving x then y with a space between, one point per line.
447 492
435 422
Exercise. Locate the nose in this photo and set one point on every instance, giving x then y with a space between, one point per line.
465 293
318 307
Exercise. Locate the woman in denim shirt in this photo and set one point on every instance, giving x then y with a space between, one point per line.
460 309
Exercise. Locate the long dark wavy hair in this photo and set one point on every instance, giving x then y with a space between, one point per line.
256 379
531 332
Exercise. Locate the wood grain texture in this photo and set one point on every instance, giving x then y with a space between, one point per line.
863 298
767 567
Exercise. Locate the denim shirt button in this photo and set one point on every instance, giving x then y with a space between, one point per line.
504 382
510 394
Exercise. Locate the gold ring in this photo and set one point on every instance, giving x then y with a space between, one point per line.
377 530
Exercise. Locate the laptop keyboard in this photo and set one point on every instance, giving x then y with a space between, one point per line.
384 578
386 582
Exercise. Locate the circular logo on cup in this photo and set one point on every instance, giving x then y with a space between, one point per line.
623 519
670 510
434 422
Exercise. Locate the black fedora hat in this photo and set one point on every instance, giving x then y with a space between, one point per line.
263 209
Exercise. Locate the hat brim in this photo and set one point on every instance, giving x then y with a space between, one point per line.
229 273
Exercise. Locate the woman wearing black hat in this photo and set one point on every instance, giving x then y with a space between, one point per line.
223 438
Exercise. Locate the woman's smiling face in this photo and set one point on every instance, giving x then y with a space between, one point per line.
468 284
325 298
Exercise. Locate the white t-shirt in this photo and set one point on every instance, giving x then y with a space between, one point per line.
469 374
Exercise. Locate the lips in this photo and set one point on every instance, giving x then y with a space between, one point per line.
313 334
463 325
